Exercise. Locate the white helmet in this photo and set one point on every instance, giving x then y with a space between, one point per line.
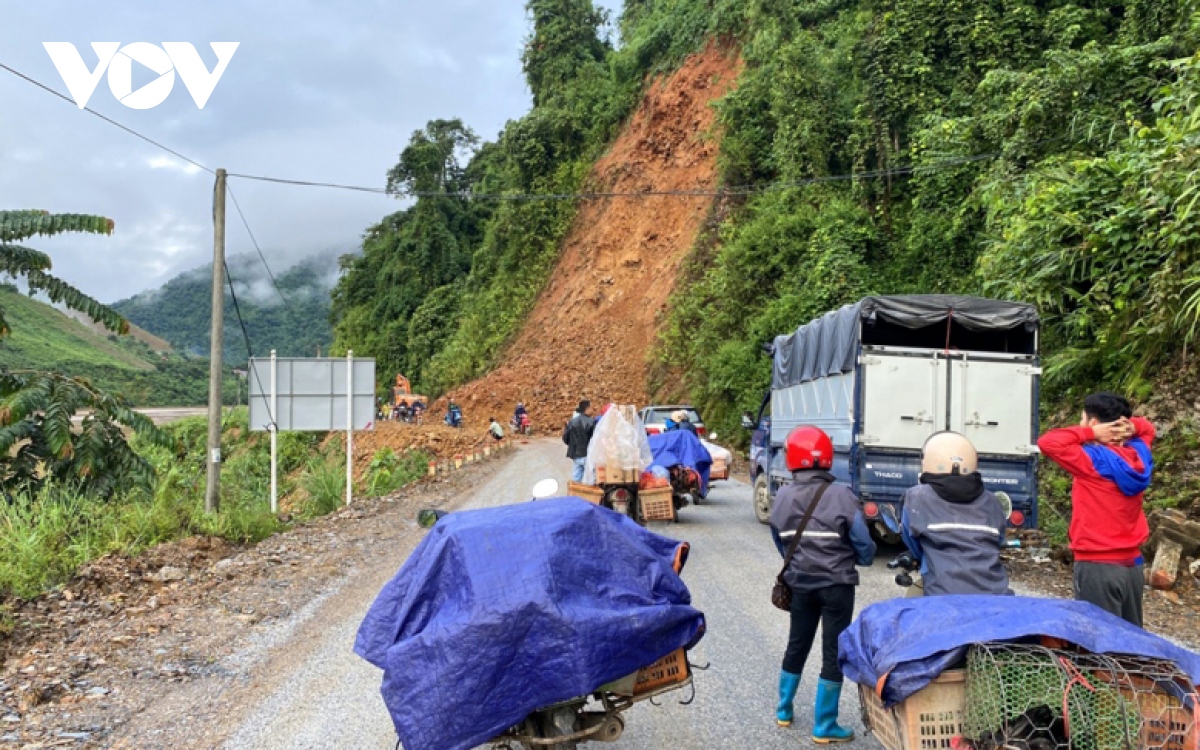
948 453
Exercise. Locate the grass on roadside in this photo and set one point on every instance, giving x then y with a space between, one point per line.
45 538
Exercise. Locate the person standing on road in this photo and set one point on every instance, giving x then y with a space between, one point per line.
577 433
953 527
1109 460
821 573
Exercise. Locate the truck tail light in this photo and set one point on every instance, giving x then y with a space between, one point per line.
1017 518
701 430
621 495
871 510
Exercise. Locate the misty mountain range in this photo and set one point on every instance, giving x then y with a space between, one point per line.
293 320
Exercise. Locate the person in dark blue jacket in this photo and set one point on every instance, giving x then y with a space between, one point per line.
953 527
821 574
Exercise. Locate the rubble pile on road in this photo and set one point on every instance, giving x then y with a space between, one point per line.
436 439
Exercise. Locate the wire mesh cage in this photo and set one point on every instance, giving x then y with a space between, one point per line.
1035 698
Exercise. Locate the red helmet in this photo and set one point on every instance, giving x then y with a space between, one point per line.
809 447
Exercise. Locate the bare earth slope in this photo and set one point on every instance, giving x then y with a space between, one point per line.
593 325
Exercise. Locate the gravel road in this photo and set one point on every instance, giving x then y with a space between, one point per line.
331 699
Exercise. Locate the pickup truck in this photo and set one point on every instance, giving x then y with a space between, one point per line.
882 375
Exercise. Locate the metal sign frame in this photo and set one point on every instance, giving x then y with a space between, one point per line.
313 394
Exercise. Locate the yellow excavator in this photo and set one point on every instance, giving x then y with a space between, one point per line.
402 394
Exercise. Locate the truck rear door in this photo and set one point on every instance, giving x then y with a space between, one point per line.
992 402
903 398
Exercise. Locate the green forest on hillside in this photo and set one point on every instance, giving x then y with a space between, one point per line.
1028 147
1040 150
293 320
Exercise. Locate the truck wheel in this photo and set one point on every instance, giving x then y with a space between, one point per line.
762 499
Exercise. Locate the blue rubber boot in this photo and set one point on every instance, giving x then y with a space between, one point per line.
825 726
788 685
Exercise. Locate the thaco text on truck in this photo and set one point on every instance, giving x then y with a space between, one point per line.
882 375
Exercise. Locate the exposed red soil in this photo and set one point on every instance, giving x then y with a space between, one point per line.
596 322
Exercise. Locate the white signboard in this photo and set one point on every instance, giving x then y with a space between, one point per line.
310 394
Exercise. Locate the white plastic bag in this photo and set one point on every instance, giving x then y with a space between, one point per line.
619 442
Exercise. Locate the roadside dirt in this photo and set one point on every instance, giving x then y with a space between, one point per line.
595 323
436 439
1174 614
118 650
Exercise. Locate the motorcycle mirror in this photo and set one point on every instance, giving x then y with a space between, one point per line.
428 517
1005 503
546 488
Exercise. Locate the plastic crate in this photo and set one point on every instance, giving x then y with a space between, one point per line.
929 719
656 504
669 670
588 492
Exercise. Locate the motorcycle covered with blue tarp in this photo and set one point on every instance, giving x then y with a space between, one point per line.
899 646
529 621
687 460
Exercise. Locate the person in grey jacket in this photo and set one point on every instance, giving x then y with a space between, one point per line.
821 575
577 433
953 527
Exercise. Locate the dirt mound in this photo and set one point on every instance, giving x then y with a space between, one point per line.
436 439
594 324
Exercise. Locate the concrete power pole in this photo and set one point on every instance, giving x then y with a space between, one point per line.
212 490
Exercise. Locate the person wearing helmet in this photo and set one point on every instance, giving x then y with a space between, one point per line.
953 527
821 573
681 421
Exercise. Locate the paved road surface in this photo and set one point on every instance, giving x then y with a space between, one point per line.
332 700
163 415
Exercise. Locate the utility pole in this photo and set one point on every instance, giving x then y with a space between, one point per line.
212 490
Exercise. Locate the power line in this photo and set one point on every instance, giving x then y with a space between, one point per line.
732 191
257 249
249 349
720 192
109 120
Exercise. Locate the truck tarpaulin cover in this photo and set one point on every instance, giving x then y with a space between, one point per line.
681 447
912 641
502 611
829 344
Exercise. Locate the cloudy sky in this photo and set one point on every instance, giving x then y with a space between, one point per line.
316 91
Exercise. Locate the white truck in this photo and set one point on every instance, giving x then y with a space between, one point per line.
882 375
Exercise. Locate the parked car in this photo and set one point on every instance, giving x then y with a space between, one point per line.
655 418
884 374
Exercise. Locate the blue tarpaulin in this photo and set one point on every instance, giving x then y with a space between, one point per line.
911 641
680 447
502 611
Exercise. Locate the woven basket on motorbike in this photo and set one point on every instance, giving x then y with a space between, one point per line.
656 504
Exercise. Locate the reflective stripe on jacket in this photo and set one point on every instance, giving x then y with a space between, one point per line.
836 538
958 543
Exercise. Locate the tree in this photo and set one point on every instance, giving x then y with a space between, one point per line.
564 41
38 440
430 162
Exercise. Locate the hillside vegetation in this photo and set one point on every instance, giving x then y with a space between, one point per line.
43 338
1033 150
293 320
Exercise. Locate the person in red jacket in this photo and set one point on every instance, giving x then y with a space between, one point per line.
1108 457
